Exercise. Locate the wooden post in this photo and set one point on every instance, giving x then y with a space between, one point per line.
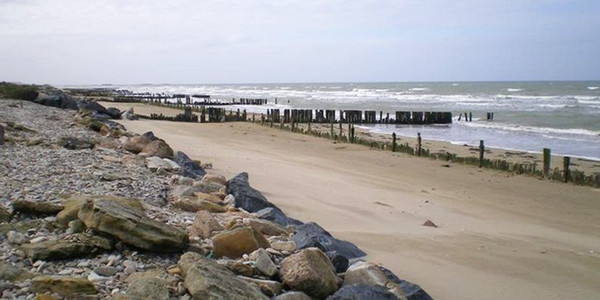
547 157
566 163
393 142
418 144
470 117
332 135
341 130
481 151
308 126
352 134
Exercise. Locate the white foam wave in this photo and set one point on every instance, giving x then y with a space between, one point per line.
592 88
511 90
533 129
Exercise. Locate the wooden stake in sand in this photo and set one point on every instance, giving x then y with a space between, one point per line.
418 144
566 163
481 151
393 142
547 157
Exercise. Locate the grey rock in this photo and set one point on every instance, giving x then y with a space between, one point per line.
309 271
249 198
362 292
61 249
132 226
264 264
189 168
274 215
313 235
149 288
73 143
206 279
339 262
106 271
36 208
294 295
268 287
17 238
113 112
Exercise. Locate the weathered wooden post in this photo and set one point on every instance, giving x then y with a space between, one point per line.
470 117
481 151
393 142
332 135
309 126
341 132
566 163
418 144
1 135
547 157
352 134
262 119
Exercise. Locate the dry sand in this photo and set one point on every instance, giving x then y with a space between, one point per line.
500 236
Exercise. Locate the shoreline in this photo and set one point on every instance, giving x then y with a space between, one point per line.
500 235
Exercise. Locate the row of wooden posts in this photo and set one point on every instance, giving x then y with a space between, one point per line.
357 116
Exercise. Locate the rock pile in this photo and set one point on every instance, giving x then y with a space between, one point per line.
96 212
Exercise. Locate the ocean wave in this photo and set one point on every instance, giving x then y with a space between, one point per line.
512 90
592 88
532 129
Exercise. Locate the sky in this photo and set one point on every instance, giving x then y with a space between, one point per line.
69 42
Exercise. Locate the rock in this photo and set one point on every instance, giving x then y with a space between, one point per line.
131 226
106 271
292 296
362 292
133 160
149 288
69 287
150 136
274 215
158 148
184 180
214 178
193 204
313 235
5 215
73 143
265 227
309 271
205 279
268 287
339 262
208 187
248 198
208 197
288 246
17 238
61 249
136 144
429 223
154 162
410 290
237 267
73 204
76 226
189 168
204 224
11 273
36 208
264 264
372 274
114 113
235 243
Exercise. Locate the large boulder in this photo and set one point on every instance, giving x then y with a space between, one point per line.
372 274
136 144
265 227
274 215
154 163
68 287
293 295
189 168
268 287
249 198
309 271
237 242
73 204
362 292
339 262
264 264
113 112
132 226
206 279
158 148
193 204
204 225
36 207
148 288
81 246
312 235
11 273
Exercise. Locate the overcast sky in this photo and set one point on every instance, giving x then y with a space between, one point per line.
256 41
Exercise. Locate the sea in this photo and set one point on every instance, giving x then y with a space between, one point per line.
528 116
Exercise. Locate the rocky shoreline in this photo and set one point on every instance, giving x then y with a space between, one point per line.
89 210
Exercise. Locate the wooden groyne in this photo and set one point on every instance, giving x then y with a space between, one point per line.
357 117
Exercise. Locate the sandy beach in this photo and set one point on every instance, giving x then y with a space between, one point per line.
499 236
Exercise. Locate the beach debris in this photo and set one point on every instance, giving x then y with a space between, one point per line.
430 223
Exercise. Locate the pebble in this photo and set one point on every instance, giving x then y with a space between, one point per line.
17 238
38 239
